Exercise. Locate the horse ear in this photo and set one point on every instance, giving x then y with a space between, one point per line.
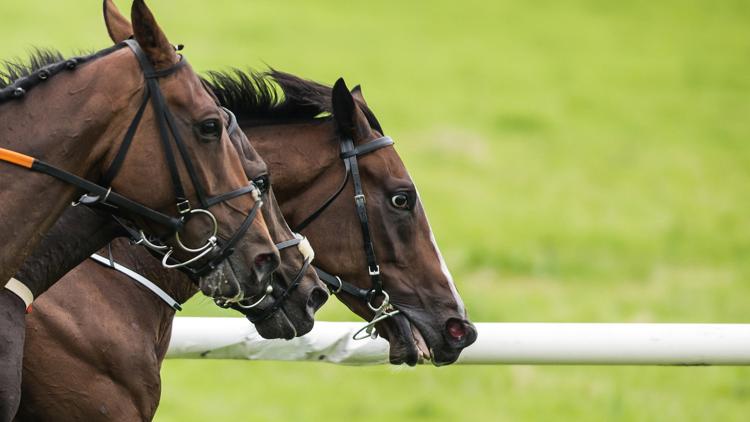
118 26
150 36
343 107
357 94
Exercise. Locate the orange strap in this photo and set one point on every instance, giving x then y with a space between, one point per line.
16 158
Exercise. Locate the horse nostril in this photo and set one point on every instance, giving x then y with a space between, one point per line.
318 297
456 329
263 259
265 264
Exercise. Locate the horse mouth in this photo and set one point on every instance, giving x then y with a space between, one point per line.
407 344
413 339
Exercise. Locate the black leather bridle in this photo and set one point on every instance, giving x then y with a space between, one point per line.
102 195
349 154
247 307
214 250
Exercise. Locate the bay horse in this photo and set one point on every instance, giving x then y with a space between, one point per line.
302 151
69 122
287 313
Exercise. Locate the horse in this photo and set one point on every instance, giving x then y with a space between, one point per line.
303 154
284 315
65 123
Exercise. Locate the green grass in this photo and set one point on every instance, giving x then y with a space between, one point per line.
580 161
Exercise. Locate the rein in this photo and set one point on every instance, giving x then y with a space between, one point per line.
101 194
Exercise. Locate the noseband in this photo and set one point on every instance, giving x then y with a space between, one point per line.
349 154
102 194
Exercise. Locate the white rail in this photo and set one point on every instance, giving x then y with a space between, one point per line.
498 343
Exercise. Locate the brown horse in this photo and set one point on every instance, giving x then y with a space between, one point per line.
293 315
291 138
75 117
96 136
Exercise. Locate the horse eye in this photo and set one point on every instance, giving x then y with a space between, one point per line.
400 201
263 183
211 129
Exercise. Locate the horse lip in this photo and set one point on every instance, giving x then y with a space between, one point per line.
401 337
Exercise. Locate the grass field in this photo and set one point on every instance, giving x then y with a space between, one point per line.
580 161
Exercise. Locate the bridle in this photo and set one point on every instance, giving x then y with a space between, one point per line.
167 125
349 154
102 195
247 306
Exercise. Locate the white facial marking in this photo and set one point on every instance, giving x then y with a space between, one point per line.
443 265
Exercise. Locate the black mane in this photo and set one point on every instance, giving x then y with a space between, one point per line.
12 71
274 96
270 95
18 77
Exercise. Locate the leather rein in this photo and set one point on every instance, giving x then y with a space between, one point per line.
102 195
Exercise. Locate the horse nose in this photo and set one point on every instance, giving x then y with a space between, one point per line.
460 333
265 264
318 297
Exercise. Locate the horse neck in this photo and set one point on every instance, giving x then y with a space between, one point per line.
77 234
61 122
300 157
175 283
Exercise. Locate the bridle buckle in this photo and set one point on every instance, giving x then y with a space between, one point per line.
338 290
374 272
183 207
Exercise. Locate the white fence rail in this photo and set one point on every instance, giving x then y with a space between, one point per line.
498 343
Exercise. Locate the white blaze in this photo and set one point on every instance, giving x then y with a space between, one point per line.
443 265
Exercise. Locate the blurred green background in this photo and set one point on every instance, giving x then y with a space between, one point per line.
580 161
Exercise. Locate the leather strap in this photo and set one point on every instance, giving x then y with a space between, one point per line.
109 197
368 147
347 148
267 313
20 290
337 285
138 279
349 154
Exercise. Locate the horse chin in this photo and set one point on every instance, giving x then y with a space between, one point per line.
220 283
277 326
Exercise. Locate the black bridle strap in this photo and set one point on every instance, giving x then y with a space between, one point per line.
357 151
114 168
161 113
313 216
336 285
289 243
368 147
108 197
229 195
347 149
199 191
350 153
267 313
